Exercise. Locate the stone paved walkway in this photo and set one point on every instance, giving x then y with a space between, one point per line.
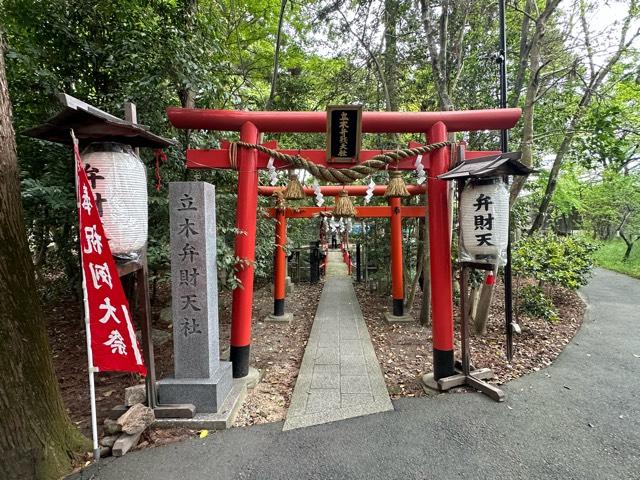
339 377
335 265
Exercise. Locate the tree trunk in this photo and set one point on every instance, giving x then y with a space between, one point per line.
37 439
391 10
534 50
425 308
276 58
628 242
419 265
189 10
482 308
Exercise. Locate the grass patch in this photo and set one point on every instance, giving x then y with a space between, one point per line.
610 254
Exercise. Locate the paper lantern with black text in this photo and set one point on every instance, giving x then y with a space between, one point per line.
119 183
484 222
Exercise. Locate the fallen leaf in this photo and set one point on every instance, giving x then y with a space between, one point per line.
203 433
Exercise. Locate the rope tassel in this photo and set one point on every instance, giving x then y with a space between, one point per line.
396 187
344 206
294 190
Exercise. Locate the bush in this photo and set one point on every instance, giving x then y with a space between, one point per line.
550 259
534 302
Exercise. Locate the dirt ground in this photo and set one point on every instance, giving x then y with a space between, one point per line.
276 350
404 352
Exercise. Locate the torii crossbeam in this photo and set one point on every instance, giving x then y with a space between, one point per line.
435 126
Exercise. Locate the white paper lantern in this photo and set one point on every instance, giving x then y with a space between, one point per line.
119 184
484 222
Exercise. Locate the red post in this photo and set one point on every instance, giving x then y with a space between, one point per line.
397 286
440 258
280 265
245 247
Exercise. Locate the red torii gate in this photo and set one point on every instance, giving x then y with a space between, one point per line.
435 125
395 211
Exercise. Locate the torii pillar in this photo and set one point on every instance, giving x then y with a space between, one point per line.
440 257
245 249
280 271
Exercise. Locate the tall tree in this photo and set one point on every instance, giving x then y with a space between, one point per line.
531 49
276 58
36 437
391 14
593 79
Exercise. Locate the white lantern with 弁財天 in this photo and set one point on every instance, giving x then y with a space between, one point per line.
484 221
119 183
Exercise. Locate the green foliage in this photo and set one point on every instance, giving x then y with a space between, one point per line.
609 255
155 54
532 301
219 54
609 133
612 205
550 259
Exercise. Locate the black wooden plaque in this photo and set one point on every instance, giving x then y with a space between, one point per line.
344 133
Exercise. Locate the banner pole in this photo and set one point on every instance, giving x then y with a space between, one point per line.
92 394
91 368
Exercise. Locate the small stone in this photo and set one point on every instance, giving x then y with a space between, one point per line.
111 426
125 443
108 441
136 419
105 451
135 394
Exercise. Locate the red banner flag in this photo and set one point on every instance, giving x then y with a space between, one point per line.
112 337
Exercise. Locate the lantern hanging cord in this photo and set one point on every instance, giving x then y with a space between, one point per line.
338 175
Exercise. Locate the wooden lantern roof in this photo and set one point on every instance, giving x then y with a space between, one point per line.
488 166
90 124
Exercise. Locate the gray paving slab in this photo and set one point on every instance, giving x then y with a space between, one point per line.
544 430
339 376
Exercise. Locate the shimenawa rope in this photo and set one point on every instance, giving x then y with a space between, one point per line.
338 175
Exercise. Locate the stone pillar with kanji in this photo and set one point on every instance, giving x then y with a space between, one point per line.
200 377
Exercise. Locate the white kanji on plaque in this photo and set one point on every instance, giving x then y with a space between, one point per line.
100 275
110 309
94 240
86 200
116 342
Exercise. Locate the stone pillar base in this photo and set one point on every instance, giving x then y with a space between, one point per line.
391 318
207 394
286 318
253 378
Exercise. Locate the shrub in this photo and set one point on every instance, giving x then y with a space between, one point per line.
550 259
534 302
